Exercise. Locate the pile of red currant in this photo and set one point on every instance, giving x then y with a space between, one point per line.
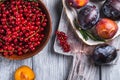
62 38
22 24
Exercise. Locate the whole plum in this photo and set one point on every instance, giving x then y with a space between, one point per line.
104 54
77 3
88 17
111 9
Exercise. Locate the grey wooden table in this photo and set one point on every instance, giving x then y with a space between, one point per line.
47 65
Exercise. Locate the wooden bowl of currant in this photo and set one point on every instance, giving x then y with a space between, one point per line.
25 28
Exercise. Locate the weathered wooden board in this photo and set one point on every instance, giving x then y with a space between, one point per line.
47 65
108 72
81 69
7 67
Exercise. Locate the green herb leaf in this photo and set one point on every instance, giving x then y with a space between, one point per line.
76 24
83 33
93 37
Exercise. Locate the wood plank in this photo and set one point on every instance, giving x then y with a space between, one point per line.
79 70
112 72
8 67
47 64
108 72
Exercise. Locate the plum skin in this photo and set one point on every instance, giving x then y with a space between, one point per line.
106 28
104 54
77 3
111 9
88 17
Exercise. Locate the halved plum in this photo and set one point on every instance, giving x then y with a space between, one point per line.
106 28
77 3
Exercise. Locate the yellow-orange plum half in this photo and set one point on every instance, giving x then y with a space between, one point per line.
106 28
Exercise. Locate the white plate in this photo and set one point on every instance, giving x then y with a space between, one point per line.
72 14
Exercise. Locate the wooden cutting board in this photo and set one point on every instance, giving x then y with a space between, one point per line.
82 68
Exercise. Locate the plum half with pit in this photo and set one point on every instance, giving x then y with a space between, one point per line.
104 54
111 9
106 28
88 17
77 3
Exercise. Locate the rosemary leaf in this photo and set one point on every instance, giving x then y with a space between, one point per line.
83 33
76 24
93 37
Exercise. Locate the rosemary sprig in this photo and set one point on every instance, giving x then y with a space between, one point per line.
83 34
87 34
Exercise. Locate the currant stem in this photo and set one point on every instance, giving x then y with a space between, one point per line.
5 51
38 8
2 41
43 18
33 34
24 6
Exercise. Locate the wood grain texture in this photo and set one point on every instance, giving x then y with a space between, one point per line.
47 65
82 69
8 67
112 72
108 72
